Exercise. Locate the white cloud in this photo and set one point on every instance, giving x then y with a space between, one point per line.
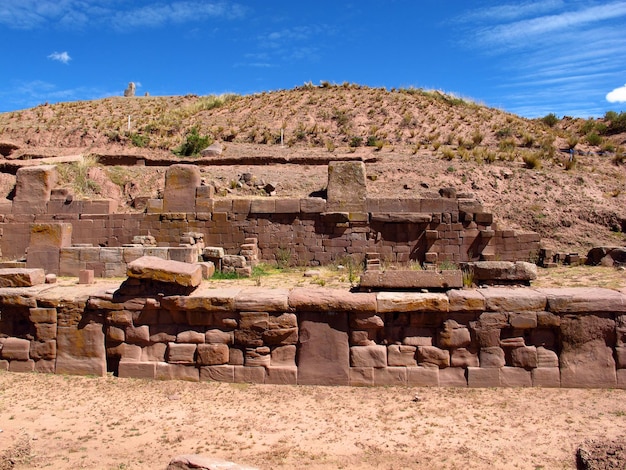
617 96
62 57
78 14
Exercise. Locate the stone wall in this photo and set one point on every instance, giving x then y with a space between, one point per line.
572 337
428 228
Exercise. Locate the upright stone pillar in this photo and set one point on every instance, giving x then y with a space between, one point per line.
32 189
346 191
181 182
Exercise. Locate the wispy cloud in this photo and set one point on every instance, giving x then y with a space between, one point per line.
62 57
556 54
77 14
618 95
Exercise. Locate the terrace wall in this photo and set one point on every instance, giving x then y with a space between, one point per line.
478 338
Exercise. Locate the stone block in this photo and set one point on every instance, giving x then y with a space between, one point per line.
406 279
368 356
86 276
263 206
492 357
283 356
324 352
331 300
218 373
81 351
514 299
313 205
43 366
548 377
34 184
257 357
181 353
452 377
464 358
153 352
137 370
523 320
45 331
401 355
583 299
55 235
165 371
454 336
181 182
481 377
22 277
167 271
525 357
547 358
390 376
235 357
4 364
433 356
22 366
208 269
46 350
255 375
262 300
190 336
591 365
281 375
138 334
15 349
184 254
42 315
362 376
346 189
515 377
213 354
411 302
219 337
423 377
465 300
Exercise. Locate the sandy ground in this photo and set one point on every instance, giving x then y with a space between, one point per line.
62 422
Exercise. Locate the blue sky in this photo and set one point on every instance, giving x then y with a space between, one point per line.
527 57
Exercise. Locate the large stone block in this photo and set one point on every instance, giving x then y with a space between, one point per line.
55 235
213 354
181 353
262 300
454 336
219 373
81 351
22 277
34 184
590 365
368 356
137 370
165 371
346 189
432 356
330 301
465 300
492 357
584 300
324 354
411 302
464 358
401 355
515 377
390 376
167 271
281 375
181 182
503 272
15 349
390 280
423 377
481 377
361 376
452 377
548 377
513 299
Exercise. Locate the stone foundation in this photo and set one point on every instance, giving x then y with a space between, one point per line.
508 337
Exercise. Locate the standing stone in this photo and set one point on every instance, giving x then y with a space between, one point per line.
33 188
346 191
324 355
181 182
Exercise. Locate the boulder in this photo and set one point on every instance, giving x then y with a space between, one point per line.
347 189
503 272
606 256
389 280
213 150
167 271
411 302
7 148
34 184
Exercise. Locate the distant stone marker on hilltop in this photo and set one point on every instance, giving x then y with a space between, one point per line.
130 91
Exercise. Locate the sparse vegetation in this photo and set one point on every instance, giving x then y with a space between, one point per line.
550 120
194 143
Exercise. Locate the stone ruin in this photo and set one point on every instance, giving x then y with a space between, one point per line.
130 90
64 235
163 323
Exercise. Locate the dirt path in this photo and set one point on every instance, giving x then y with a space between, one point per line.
62 422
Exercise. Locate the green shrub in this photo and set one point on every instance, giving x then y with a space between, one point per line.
504 132
507 144
194 143
355 141
617 124
550 120
594 139
572 141
139 140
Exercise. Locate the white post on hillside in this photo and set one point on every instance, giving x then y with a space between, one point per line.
282 132
129 123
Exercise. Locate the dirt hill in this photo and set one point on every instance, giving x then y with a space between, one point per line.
413 141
